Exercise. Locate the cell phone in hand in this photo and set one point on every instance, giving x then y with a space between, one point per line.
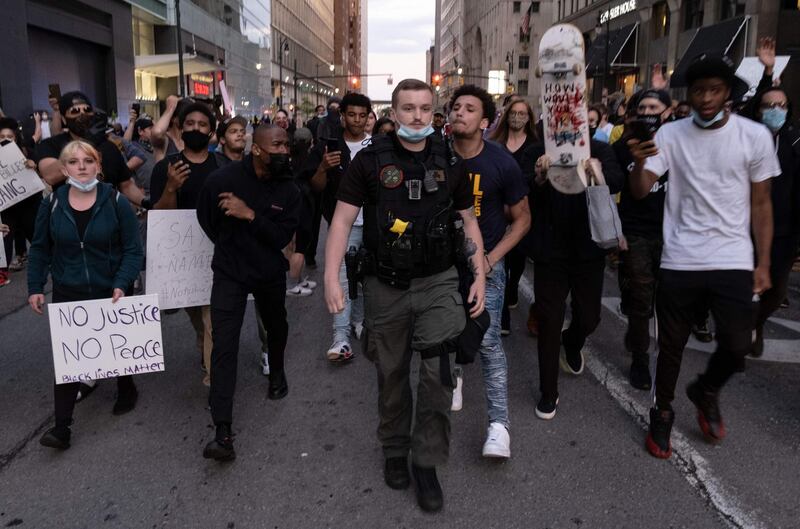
332 145
640 129
173 158
136 107
54 90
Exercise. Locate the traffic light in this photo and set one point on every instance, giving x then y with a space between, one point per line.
355 82
436 79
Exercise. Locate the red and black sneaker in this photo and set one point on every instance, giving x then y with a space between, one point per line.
708 415
657 441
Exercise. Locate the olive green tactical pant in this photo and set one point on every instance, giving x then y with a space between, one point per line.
398 322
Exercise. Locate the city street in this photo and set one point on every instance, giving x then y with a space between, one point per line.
312 459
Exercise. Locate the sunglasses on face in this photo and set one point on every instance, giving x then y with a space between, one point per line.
82 109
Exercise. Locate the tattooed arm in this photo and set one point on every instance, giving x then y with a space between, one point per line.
473 249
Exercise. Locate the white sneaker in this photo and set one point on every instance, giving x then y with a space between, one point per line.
264 364
358 329
307 283
498 442
458 395
339 352
299 291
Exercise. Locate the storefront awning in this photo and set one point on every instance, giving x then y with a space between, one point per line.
622 44
714 40
166 65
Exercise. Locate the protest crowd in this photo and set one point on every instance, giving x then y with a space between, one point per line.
432 216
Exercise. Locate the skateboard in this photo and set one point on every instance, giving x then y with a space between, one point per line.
562 73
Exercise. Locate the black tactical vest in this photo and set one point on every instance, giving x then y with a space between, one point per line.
409 229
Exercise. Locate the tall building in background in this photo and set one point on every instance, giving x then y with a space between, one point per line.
497 39
302 53
364 47
347 44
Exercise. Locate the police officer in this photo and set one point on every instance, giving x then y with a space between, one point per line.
410 193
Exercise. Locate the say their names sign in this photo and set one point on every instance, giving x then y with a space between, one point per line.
178 259
17 182
97 339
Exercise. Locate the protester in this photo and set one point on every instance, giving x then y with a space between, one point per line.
139 133
313 123
87 240
683 110
641 224
231 134
720 167
515 131
411 299
324 169
166 136
21 217
595 119
384 126
329 126
249 210
499 191
566 262
369 128
84 123
438 122
771 106
176 184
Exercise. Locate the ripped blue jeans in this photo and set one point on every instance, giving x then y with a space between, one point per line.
493 357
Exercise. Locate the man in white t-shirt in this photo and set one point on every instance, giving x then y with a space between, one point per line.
717 202
336 155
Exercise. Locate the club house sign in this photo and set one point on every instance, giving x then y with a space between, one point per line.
617 10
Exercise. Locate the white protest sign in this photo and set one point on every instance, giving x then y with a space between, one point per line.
3 259
17 182
178 259
751 70
98 339
226 100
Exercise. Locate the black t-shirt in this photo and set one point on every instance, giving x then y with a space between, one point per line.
82 219
115 171
643 217
190 190
496 182
359 184
517 155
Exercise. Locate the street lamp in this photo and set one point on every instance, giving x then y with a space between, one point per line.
283 49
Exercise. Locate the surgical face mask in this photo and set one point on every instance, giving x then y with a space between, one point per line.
413 135
702 123
84 187
774 118
195 140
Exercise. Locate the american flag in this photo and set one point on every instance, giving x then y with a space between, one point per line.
526 20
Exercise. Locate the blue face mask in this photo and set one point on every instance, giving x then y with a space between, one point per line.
774 118
413 135
84 187
705 124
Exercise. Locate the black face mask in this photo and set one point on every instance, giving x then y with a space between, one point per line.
279 166
80 125
652 121
4 143
195 140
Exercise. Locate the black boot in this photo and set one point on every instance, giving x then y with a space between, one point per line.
221 448
395 472
429 492
278 387
640 372
57 437
126 399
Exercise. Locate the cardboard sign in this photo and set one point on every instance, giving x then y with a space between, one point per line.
178 259
17 182
751 70
99 339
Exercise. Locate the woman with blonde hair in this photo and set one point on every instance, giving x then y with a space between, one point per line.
87 239
516 131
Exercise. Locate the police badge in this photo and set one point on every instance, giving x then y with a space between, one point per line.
391 177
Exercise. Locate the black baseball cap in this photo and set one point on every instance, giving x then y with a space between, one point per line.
144 123
73 98
661 95
223 126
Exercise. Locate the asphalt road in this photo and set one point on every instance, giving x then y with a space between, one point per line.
312 459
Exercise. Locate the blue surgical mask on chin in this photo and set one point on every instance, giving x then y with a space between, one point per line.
708 123
774 118
84 187
413 135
